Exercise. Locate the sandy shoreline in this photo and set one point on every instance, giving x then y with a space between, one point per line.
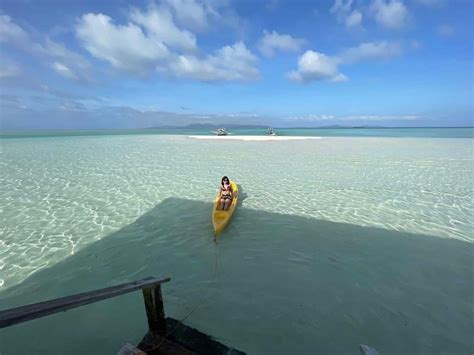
255 138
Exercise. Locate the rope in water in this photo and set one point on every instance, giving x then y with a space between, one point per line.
204 300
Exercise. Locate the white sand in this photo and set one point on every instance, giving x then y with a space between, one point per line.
255 138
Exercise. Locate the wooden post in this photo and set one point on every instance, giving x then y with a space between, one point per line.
154 309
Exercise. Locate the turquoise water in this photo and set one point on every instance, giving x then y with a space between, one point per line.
336 242
322 132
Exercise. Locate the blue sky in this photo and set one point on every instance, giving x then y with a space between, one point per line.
102 64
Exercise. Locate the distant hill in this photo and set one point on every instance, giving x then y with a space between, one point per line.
209 126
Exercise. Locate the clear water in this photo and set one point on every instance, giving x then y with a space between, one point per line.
453 132
336 242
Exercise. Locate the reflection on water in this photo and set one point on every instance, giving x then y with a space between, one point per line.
276 283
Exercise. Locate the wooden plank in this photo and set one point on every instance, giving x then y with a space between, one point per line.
41 309
155 344
154 309
196 341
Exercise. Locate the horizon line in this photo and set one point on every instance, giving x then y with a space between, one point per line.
243 127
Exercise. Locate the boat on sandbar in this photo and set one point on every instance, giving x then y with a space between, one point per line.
221 132
270 132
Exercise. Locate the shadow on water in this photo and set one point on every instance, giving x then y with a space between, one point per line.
275 284
242 195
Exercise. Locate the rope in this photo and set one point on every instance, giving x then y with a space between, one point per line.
205 299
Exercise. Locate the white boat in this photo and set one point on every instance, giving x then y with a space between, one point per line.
270 132
221 132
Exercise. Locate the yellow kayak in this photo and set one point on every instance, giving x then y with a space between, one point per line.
220 218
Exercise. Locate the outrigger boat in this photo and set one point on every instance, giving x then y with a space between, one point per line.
221 132
270 132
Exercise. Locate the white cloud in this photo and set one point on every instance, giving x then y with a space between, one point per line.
79 68
71 105
341 6
124 47
344 13
198 15
190 14
160 26
314 66
392 14
162 47
354 19
229 63
272 42
445 30
371 50
63 70
11 32
153 41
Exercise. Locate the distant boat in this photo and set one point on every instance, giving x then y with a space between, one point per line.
270 132
221 132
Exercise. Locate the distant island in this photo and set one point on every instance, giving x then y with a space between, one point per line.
208 126
250 126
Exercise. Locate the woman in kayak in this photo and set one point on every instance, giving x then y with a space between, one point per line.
226 193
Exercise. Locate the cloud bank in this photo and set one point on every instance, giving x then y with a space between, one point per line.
152 42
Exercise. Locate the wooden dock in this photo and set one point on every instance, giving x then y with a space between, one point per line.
188 340
165 336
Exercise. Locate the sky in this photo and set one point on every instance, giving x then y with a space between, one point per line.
121 65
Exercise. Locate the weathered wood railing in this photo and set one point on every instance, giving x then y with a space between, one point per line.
151 287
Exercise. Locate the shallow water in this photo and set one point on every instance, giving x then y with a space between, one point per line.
336 242
440 132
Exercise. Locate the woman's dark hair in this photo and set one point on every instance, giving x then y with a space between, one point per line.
225 178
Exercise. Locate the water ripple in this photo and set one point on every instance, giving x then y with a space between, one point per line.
59 195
